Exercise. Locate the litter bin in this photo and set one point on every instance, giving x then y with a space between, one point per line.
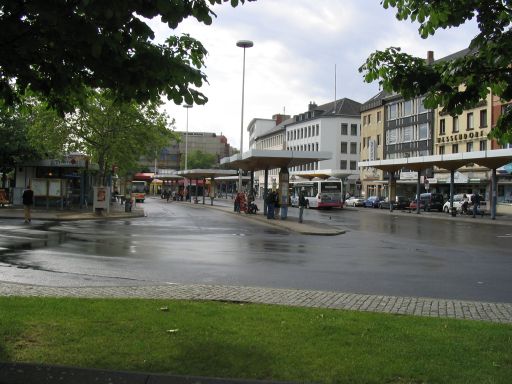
453 211
128 205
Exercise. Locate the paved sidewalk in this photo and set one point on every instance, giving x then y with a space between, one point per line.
415 306
116 212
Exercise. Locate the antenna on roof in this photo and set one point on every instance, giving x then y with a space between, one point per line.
335 104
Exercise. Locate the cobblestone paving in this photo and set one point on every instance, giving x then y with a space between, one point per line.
441 308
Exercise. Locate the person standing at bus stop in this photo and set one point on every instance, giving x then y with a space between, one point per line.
28 201
475 199
302 204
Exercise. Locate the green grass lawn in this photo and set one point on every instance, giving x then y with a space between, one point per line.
253 341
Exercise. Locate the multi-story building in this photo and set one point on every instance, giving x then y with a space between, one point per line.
208 142
372 145
333 127
411 130
268 134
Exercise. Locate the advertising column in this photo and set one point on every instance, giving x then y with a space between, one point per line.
283 192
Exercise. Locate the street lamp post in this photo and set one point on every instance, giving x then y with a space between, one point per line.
242 44
187 107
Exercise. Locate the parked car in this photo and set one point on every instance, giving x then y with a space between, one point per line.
458 199
413 205
400 202
373 202
354 201
432 201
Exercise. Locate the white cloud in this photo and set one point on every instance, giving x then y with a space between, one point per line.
296 45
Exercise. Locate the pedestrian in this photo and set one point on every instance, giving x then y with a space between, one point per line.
28 201
303 202
277 204
465 204
475 199
270 200
237 202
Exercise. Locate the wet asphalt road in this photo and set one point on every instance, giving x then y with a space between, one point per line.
382 253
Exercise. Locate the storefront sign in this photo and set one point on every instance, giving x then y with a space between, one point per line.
409 175
461 136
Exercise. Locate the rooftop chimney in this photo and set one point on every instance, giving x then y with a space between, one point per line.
312 106
430 57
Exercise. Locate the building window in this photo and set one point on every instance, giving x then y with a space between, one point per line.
455 124
317 129
353 148
378 117
392 111
343 164
378 139
441 150
353 165
421 106
344 129
483 145
469 146
483 118
317 147
343 147
391 137
407 105
442 127
369 120
353 129
407 132
455 148
423 131
470 122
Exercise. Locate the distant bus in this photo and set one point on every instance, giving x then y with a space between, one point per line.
320 193
138 190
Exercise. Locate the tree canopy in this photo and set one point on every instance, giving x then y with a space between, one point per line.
60 48
109 131
15 145
199 160
485 66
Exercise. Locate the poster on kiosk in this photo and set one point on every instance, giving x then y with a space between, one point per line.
283 192
101 200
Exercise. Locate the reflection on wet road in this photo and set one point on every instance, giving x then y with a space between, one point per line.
381 253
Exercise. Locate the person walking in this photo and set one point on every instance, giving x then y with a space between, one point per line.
475 199
28 201
302 204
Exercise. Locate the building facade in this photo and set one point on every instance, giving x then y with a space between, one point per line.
171 156
411 130
371 180
334 127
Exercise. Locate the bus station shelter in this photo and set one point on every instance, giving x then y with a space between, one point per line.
491 159
203 174
260 159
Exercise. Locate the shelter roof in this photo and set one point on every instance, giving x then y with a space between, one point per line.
260 159
206 173
491 159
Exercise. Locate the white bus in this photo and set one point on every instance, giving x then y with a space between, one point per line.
320 193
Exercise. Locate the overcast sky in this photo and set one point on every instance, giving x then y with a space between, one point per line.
297 44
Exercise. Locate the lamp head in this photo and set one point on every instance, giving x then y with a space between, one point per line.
244 43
